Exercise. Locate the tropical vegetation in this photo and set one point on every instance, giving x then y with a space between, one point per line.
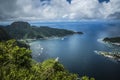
23 30
16 63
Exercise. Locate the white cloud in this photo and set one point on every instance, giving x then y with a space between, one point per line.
84 8
62 10
109 8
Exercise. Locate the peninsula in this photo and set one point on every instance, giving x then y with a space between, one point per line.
113 40
115 54
23 30
111 55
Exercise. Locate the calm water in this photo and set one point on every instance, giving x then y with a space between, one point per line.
76 52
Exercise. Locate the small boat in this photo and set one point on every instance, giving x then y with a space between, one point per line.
57 59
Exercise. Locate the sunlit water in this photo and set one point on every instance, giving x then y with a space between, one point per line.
76 52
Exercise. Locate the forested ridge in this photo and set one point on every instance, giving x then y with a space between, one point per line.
23 30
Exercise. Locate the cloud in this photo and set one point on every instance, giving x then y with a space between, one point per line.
115 15
110 8
57 9
7 8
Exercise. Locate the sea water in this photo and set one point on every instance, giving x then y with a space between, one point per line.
76 52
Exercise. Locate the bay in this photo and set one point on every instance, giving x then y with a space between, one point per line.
76 52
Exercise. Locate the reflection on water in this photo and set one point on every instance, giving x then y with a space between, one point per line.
76 52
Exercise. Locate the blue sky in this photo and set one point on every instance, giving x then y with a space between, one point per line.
98 0
104 0
42 10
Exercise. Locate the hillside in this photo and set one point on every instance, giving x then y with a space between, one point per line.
3 35
23 30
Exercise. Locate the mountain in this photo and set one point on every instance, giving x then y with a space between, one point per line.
3 35
23 30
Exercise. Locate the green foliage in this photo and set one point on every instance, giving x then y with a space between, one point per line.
87 78
11 53
23 44
23 30
3 35
16 64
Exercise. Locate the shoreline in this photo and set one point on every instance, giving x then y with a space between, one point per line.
106 42
109 55
29 41
46 38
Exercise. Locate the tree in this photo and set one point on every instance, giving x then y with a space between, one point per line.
87 78
16 64
11 53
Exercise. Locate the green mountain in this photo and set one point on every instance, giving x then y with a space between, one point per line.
23 30
3 35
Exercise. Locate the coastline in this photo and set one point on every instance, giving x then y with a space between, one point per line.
114 55
106 42
109 55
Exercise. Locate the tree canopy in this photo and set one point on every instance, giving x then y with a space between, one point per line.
16 63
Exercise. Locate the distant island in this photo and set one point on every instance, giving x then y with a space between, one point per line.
113 40
112 55
23 30
115 54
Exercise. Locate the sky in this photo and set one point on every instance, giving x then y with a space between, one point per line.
47 10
